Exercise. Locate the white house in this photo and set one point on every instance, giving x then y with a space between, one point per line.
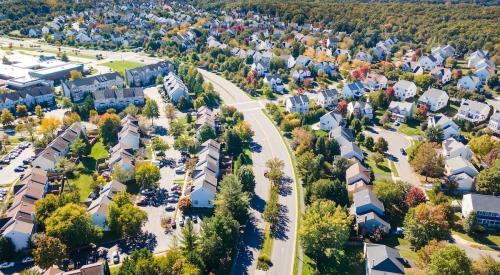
205 175
441 75
494 123
404 89
453 148
203 192
476 57
297 104
457 165
363 56
129 137
354 89
351 151
486 207
360 109
19 232
78 89
175 87
327 98
473 111
469 82
331 120
303 60
435 99
274 82
98 209
118 98
428 62
400 111
450 128
374 81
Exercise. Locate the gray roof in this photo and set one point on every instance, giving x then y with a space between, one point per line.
118 93
433 93
382 259
90 80
366 196
299 99
336 115
139 70
342 135
329 93
486 203
32 91
403 84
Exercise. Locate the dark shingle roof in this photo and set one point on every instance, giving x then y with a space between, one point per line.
90 80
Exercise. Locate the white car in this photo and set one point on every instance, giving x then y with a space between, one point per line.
6 265
27 260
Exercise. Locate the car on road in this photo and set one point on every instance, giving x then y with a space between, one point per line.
170 207
180 170
173 224
403 152
27 260
172 200
19 169
116 257
7 265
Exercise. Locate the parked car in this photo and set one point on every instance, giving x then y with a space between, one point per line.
19 169
147 192
143 201
7 265
403 152
27 260
170 207
116 257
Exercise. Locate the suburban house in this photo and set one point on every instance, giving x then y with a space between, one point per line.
59 147
79 88
368 211
175 87
299 75
486 207
147 75
118 98
274 82
400 111
205 175
441 75
348 149
453 148
297 104
303 60
121 157
327 98
40 95
428 62
462 172
374 81
205 116
443 52
354 89
404 89
469 82
494 123
129 136
473 111
98 209
357 177
351 151
363 56
381 259
360 109
89 269
21 214
342 135
331 120
476 57
435 99
450 128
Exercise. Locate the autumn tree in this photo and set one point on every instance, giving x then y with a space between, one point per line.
21 110
424 223
424 254
150 110
415 196
124 217
275 172
48 251
482 145
170 112
427 161
449 260
486 265
49 126
7 118
71 118
147 176
109 126
244 131
75 75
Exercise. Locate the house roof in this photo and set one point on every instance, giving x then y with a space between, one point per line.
356 169
351 147
16 225
457 163
451 144
342 135
354 86
486 203
22 94
403 84
473 106
101 78
398 107
150 67
329 93
433 94
90 269
372 216
118 93
382 259
366 196
299 99
335 115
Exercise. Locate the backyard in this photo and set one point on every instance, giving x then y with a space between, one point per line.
352 263
411 128
121 66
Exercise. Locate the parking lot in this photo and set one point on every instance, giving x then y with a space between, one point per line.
12 162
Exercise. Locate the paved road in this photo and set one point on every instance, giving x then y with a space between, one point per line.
267 136
473 252
396 142
7 174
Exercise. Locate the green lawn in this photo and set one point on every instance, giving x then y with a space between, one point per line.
351 263
483 239
83 182
99 151
411 128
393 168
402 245
381 169
121 66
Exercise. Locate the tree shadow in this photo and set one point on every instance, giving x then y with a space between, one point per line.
252 239
143 240
257 203
285 188
280 230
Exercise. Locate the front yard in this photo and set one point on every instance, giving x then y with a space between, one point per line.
121 66
411 128
381 168
351 264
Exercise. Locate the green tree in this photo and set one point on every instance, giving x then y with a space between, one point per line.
488 180
449 260
450 62
275 172
424 223
72 224
381 145
218 238
131 110
139 262
434 134
232 200
147 176
177 128
64 57
234 144
109 126
183 104
206 132
470 223
356 126
482 145
247 178
80 148
424 81
393 195
326 189
369 143
151 110
324 232
189 244
7 249
48 251
170 112
120 174
271 212
125 218
21 110
309 166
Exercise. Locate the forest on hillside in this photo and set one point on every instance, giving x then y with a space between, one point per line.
464 26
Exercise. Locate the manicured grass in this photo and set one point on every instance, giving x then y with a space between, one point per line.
381 169
320 133
482 239
410 129
83 182
99 151
247 159
402 245
393 168
352 263
267 245
121 66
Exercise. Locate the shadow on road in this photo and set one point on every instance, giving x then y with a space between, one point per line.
257 203
280 232
285 188
252 240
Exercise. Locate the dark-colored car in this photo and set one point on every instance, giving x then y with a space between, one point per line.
173 224
402 151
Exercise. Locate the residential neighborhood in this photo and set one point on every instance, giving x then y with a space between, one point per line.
268 137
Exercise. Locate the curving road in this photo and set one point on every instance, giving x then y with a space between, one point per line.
268 137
